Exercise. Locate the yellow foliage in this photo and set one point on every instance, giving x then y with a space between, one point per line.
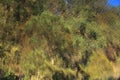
98 66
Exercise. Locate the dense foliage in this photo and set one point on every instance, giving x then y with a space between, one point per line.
59 40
